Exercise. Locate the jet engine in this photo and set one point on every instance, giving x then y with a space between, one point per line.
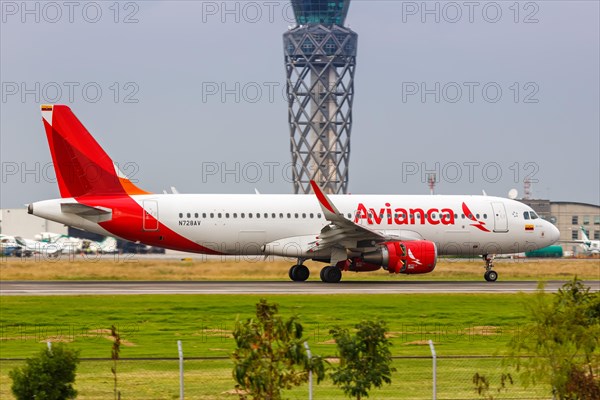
410 257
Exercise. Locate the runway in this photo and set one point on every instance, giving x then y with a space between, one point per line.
48 288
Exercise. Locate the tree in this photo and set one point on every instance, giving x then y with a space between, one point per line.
270 355
562 336
48 376
365 358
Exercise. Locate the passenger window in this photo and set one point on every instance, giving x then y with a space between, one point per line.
212 215
296 215
180 215
257 215
289 215
303 215
477 216
280 215
312 215
266 215
243 215
319 215
189 215
226 215
234 215
196 215
349 216
484 216
273 215
219 215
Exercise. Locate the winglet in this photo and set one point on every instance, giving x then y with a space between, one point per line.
330 211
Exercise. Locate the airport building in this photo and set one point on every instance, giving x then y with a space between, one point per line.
320 60
16 222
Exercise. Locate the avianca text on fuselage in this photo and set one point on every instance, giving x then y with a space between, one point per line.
404 216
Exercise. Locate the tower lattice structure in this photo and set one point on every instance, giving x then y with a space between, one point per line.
320 61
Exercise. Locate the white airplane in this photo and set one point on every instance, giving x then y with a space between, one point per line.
591 247
10 247
107 246
28 247
401 234
68 244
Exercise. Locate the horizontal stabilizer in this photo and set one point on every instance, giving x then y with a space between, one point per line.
94 214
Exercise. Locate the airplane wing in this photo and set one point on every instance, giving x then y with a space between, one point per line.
342 232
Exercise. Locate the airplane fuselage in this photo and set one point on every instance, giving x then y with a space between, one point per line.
284 225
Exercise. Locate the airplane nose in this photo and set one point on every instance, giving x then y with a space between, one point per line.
554 233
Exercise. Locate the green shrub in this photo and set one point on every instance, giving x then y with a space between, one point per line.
48 376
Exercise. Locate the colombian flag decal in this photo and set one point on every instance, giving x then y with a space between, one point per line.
529 227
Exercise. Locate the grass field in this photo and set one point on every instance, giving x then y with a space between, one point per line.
151 324
212 379
459 324
131 268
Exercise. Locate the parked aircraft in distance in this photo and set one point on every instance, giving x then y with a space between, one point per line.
106 246
590 247
399 233
74 245
22 247
10 247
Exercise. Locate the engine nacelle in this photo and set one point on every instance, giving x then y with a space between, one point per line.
410 257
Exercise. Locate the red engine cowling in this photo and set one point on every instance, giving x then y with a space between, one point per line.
411 257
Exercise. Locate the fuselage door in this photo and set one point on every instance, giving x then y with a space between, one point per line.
150 217
500 220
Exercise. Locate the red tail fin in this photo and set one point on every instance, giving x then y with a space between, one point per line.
81 165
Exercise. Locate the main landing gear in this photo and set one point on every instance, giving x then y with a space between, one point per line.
490 275
331 274
299 272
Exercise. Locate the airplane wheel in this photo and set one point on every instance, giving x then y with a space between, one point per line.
491 276
299 273
292 272
331 274
322 274
302 273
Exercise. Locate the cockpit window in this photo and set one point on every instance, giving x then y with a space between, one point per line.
530 215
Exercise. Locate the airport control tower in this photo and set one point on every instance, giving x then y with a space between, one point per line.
320 59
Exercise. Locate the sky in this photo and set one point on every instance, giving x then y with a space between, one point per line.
190 94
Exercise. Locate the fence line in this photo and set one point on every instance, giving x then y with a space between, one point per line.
211 378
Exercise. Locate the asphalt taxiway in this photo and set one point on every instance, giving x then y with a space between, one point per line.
46 288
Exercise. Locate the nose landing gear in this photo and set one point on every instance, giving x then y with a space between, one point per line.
490 275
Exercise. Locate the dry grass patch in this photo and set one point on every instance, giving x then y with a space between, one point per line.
170 269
